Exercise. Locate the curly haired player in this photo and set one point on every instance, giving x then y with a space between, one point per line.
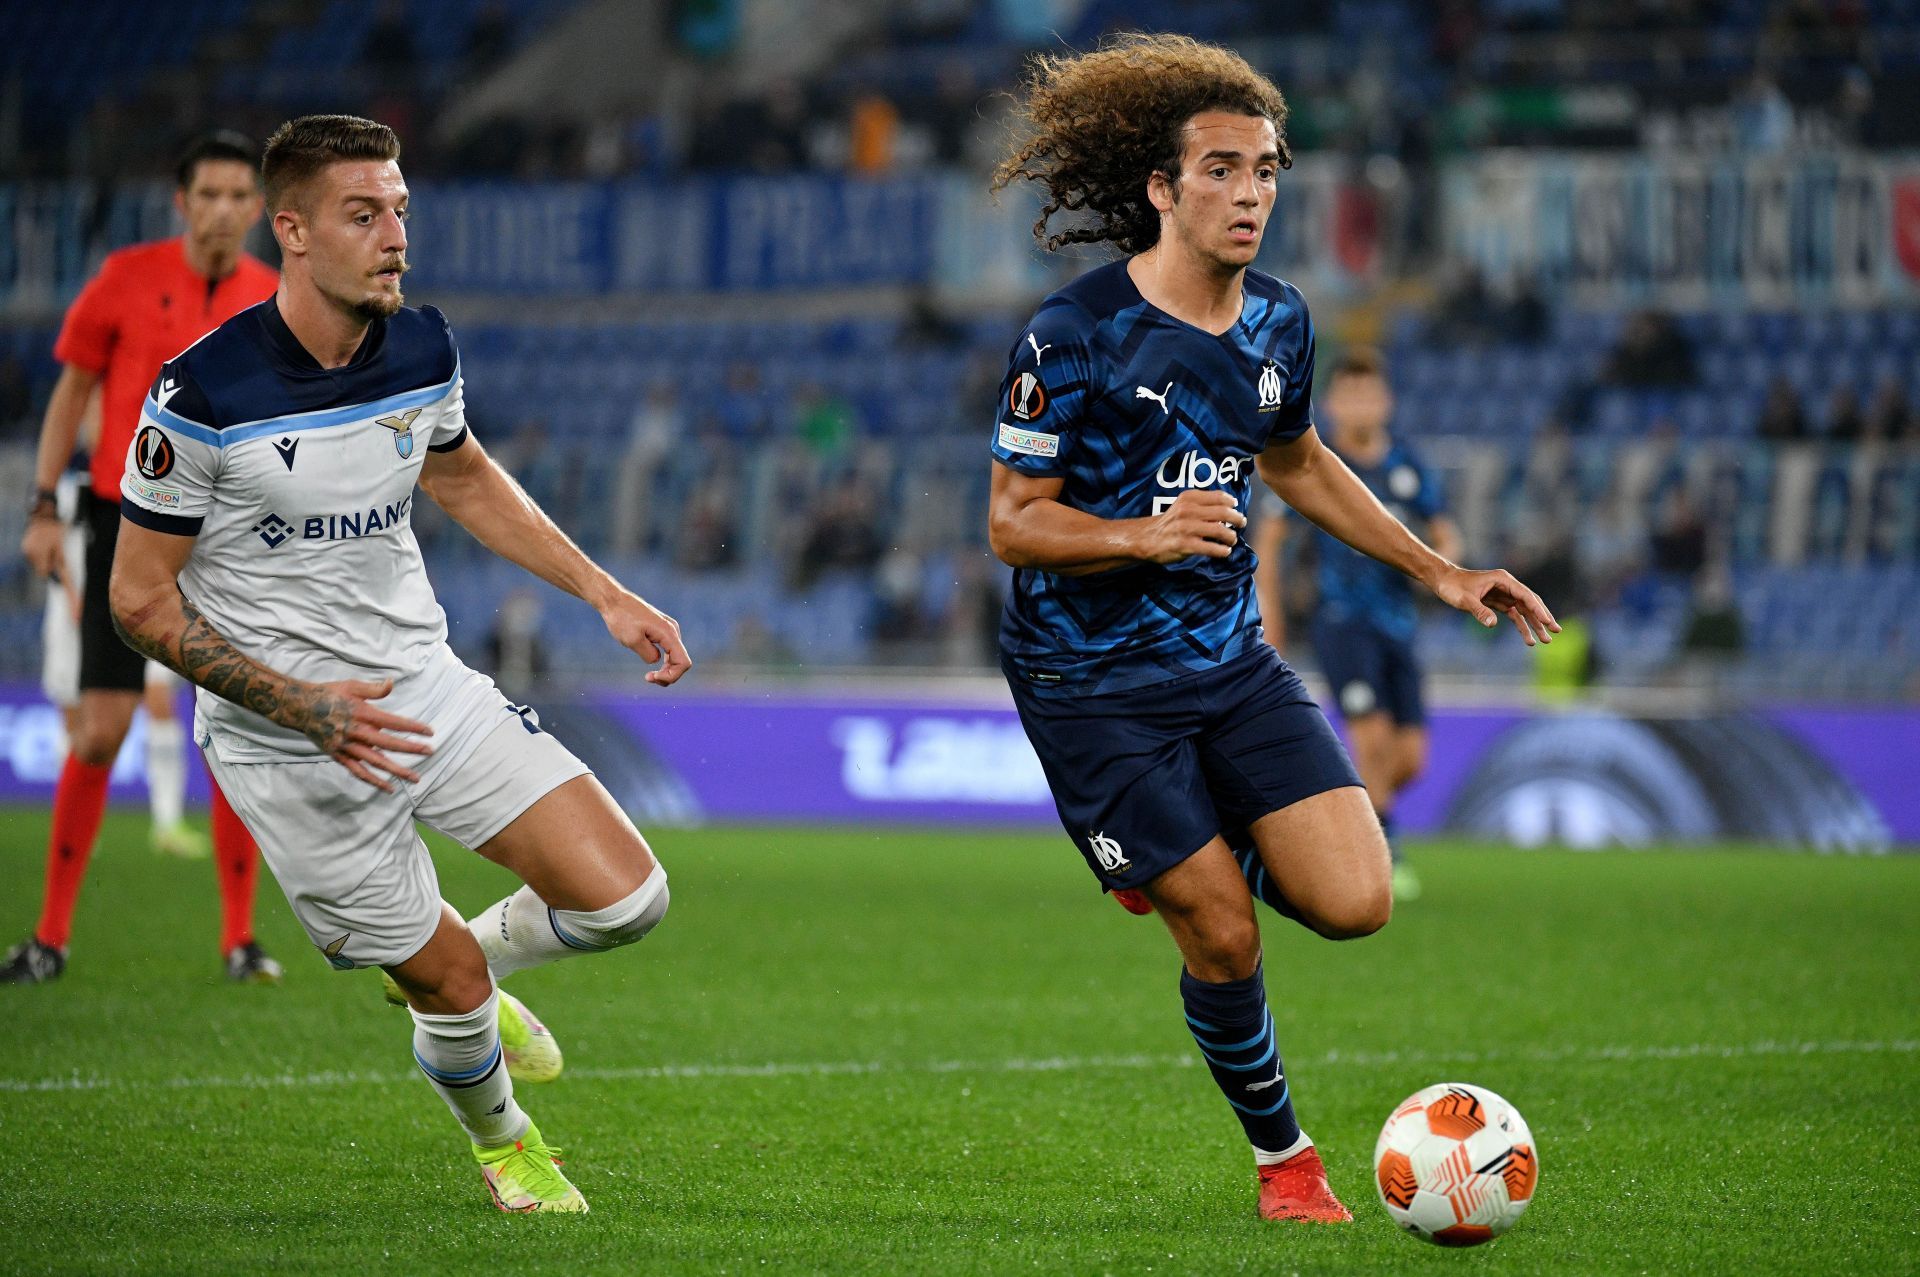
1138 404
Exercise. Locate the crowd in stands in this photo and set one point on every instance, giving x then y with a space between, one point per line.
109 88
808 491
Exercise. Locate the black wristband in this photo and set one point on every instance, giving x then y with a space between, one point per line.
46 504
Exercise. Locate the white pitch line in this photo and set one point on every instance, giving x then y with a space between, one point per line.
1046 1064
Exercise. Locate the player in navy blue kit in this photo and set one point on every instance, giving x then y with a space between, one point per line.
1364 620
1137 407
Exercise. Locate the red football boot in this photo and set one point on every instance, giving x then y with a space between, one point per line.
1297 1189
1134 902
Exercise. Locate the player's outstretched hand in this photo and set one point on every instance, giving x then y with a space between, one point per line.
644 629
1482 595
1200 521
342 720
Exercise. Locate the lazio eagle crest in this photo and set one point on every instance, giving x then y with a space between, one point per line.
334 957
401 423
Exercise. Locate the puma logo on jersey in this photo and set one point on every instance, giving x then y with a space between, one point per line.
1144 392
1038 349
165 393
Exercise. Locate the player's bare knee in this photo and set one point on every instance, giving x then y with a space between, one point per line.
1353 915
455 988
1224 951
1411 762
97 747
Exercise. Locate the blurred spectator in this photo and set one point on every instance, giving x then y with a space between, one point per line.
1781 416
777 127
706 29
489 40
873 127
658 423
743 408
1550 565
704 537
1652 351
950 113
1608 552
825 423
1714 624
1762 117
388 51
16 398
843 533
755 643
1523 315
972 622
1679 543
1853 107
1471 311
515 652
1845 422
1465 313
1889 417
928 324
897 596
657 426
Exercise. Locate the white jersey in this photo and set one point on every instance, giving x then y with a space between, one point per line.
298 484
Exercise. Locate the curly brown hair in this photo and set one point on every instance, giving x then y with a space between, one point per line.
1100 124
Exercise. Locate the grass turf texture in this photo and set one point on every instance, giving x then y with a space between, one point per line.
1005 1084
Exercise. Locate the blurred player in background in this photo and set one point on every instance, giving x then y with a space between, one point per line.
267 553
1363 619
1136 407
148 303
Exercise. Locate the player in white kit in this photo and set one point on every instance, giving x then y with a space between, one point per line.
267 554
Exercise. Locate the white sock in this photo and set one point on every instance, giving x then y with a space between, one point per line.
166 772
521 931
461 1057
1263 1158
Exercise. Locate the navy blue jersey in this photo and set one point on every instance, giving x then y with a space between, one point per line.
1355 588
1130 407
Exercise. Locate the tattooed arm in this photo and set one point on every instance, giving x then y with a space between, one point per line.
156 619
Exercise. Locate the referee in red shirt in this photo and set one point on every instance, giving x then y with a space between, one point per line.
148 303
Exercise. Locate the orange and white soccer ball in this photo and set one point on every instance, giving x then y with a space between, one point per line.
1455 1165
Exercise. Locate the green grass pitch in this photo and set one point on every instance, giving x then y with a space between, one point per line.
942 1052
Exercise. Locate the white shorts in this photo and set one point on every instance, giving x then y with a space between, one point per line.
347 855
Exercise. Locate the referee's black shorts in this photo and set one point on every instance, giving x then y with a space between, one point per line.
107 664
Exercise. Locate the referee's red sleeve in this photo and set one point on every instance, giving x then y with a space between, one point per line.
92 323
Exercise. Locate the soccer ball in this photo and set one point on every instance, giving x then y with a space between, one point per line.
1455 1165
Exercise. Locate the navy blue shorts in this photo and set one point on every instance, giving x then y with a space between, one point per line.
1144 778
1369 671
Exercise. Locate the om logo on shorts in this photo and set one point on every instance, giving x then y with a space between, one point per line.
1107 852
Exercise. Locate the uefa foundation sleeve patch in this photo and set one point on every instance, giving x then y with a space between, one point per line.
1032 442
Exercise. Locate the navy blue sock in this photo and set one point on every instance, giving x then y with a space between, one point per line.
1261 883
1386 829
1234 1030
